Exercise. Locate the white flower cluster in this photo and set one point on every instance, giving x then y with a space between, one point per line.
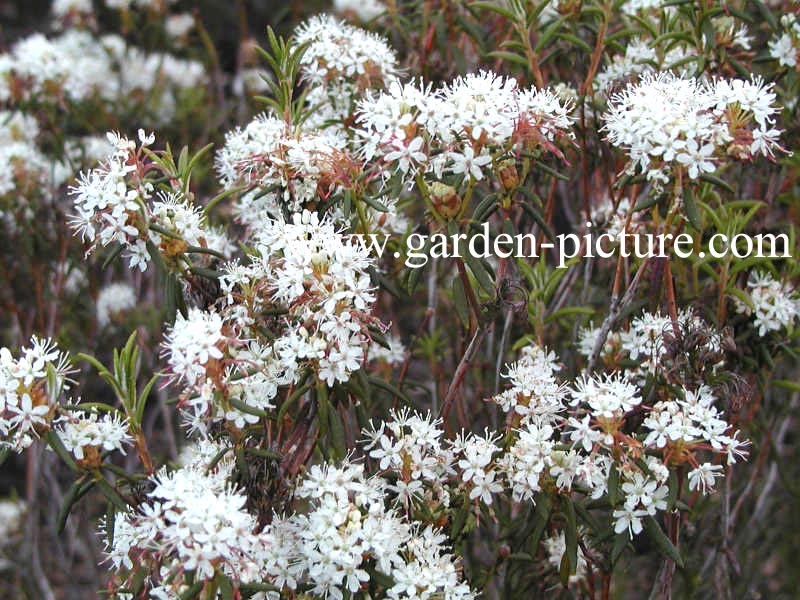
310 285
785 47
113 300
108 210
638 58
24 170
280 167
534 391
698 124
775 304
193 343
195 523
476 121
366 10
395 354
590 416
411 446
644 340
556 546
115 204
30 387
62 10
85 434
80 67
347 532
690 420
208 361
313 272
641 57
11 514
154 5
279 170
192 522
339 64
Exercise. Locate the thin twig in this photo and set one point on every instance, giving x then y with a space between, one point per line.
617 306
461 371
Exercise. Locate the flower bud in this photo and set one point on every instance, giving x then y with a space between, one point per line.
508 174
445 199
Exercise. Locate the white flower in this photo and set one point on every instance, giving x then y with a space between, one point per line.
112 300
11 514
469 164
85 430
608 396
628 519
555 547
407 155
484 487
192 341
365 10
192 521
702 478
30 388
692 125
775 304
178 26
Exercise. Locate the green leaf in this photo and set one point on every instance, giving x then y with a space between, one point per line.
548 34
571 539
672 496
460 302
111 494
482 210
480 272
576 41
295 395
786 384
662 542
225 587
113 255
142 401
646 202
613 485
509 57
58 447
564 570
219 197
540 220
76 491
717 182
542 516
569 311
198 155
620 543
495 8
692 213
389 388
337 433
247 409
